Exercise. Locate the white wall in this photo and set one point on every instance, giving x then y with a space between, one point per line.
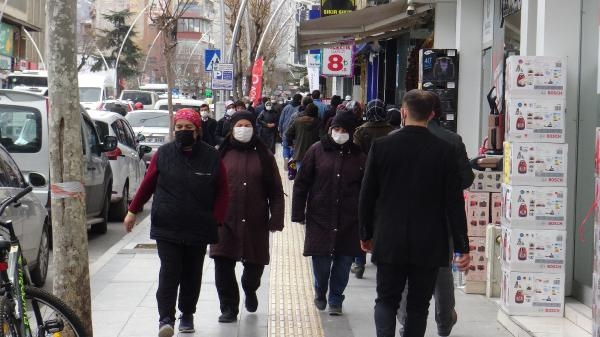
445 25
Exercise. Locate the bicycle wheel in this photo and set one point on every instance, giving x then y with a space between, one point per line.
8 323
50 316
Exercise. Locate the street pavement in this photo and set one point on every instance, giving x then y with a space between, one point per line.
124 282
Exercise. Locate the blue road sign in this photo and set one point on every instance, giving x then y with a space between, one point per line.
211 56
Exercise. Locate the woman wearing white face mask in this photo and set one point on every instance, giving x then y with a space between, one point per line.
257 207
268 121
325 195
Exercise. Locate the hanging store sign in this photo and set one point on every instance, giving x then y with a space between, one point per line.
313 61
335 7
6 39
488 23
338 61
510 7
313 78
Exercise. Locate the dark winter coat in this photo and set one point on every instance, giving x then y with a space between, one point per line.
410 197
464 167
266 134
326 192
208 131
223 128
366 133
253 210
303 133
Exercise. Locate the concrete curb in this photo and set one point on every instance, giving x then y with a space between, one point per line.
128 239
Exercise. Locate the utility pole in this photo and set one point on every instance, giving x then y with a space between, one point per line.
71 277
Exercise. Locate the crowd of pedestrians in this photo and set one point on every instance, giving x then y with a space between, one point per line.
367 179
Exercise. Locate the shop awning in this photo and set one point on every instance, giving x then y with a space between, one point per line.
18 22
371 23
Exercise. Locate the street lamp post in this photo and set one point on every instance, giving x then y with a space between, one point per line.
264 34
149 49
34 46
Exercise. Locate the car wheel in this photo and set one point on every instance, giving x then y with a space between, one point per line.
102 227
118 210
39 273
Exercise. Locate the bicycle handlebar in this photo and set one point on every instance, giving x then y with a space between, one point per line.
14 198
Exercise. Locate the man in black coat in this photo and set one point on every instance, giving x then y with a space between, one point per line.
209 125
411 187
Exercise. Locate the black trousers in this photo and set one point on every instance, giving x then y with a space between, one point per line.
391 280
180 267
226 282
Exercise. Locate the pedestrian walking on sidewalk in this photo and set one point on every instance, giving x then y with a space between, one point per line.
410 198
268 121
256 207
288 115
375 127
189 184
224 124
209 125
325 195
304 132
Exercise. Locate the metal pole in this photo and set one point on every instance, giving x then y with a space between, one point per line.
264 34
123 44
279 30
192 53
103 59
223 55
35 46
149 49
236 30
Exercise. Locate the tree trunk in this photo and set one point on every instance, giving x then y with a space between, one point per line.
169 53
240 74
71 276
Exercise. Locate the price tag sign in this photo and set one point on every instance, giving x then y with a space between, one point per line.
338 61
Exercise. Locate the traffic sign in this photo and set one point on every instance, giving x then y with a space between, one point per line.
211 56
222 76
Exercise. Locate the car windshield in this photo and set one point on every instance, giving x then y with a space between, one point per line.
90 94
148 119
179 106
20 129
136 96
29 81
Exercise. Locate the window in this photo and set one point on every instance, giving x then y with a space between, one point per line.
192 25
129 134
20 129
10 176
90 137
142 97
148 119
90 94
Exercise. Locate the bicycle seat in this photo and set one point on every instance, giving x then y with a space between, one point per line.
4 244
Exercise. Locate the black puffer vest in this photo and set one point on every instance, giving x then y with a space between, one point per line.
182 209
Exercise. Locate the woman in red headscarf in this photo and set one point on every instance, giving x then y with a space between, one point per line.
189 183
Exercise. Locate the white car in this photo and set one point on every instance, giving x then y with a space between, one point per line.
126 160
152 128
179 103
147 98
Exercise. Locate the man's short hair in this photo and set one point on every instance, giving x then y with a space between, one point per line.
307 100
316 94
419 105
239 104
264 100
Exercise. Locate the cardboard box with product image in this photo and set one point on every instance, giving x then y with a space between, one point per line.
596 304
535 164
533 250
597 156
532 294
535 76
478 266
477 208
596 266
487 181
534 207
496 208
535 120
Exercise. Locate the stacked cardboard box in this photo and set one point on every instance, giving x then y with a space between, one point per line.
596 275
534 193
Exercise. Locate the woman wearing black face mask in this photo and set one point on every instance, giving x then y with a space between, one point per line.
189 184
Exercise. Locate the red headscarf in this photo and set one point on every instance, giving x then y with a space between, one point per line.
189 115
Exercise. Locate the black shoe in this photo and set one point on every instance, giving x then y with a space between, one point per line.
320 303
445 332
251 302
360 270
335 310
228 316
186 323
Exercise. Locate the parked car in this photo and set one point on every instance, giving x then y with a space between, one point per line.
179 103
126 161
29 216
115 105
147 98
95 88
24 133
152 128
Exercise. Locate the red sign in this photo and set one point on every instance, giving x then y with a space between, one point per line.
257 77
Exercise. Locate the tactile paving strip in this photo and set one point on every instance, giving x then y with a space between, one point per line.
291 309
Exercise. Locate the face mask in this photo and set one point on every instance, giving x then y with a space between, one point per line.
247 106
204 114
184 138
242 134
230 112
340 137
268 107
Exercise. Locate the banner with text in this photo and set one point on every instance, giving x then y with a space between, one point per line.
338 61
335 7
257 77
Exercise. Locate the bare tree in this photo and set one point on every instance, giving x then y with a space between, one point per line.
166 21
71 278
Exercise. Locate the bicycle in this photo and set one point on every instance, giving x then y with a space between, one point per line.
26 311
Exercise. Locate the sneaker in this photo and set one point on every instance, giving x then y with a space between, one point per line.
165 329
251 302
320 303
186 323
335 310
360 270
445 332
228 316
